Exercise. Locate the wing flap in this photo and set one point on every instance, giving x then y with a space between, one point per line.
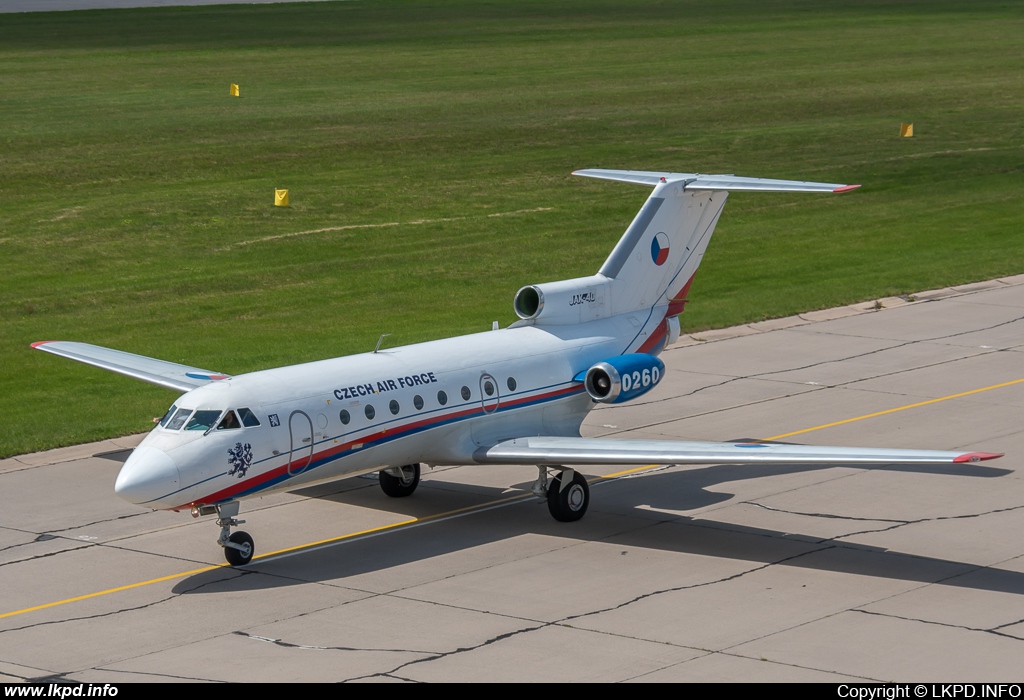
169 375
729 183
577 451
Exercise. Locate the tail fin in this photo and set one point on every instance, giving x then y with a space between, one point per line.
656 258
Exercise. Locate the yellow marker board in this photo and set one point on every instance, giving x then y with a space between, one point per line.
280 198
906 130
234 90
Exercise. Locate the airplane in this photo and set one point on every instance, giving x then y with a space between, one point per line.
515 395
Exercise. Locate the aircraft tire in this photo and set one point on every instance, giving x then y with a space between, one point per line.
400 487
571 504
240 557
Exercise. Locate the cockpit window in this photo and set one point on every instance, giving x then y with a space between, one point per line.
202 420
167 416
229 422
249 419
179 418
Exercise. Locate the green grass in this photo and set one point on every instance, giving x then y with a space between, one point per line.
132 186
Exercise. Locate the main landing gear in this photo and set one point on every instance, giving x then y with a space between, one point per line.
238 547
567 493
399 482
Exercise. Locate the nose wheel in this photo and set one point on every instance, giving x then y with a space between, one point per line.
239 549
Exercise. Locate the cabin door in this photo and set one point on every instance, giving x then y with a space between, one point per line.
300 432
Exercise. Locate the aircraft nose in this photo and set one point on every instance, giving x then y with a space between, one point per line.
148 474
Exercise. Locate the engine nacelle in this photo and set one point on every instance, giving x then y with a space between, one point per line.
568 301
623 378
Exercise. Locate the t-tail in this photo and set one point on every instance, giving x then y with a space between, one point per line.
651 267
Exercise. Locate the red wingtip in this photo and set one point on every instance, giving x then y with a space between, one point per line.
41 342
846 188
977 456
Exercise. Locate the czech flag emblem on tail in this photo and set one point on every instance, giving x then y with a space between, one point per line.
659 249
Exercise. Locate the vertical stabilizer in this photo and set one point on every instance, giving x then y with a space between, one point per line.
662 248
656 258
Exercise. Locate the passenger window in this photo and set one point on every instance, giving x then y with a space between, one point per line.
370 413
202 420
394 407
442 398
511 384
344 417
229 422
489 388
167 416
466 393
249 419
417 401
179 418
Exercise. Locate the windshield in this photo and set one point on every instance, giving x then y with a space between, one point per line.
229 422
179 418
203 420
167 416
249 419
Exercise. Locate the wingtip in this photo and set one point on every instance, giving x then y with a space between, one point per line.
846 188
41 342
977 456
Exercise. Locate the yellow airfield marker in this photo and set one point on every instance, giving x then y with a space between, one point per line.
234 90
281 198
907 130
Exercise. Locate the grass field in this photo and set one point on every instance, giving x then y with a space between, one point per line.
435 140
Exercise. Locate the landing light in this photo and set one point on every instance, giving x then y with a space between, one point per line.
203 510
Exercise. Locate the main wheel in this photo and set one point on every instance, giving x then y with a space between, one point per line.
240 557
570 504
400 486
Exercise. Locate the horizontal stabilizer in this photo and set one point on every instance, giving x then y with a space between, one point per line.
169 375
578 450
728 183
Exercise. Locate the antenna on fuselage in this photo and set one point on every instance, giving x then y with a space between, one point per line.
379 341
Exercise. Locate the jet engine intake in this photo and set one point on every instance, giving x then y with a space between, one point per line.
623 378
568 301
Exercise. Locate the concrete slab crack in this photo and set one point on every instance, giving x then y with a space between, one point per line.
290 645
894 524
673 589
460 650
163 675
100 522
991 630
83 545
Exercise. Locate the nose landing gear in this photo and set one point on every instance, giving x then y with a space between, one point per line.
238 547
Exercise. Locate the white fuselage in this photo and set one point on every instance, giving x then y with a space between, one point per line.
435 403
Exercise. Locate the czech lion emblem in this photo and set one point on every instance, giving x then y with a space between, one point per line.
240 457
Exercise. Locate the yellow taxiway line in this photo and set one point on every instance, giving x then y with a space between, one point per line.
896 410
471 509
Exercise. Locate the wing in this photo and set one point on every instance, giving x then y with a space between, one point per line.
577 450
169 375
730 183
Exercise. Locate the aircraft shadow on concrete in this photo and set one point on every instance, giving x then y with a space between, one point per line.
116 455
614 517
